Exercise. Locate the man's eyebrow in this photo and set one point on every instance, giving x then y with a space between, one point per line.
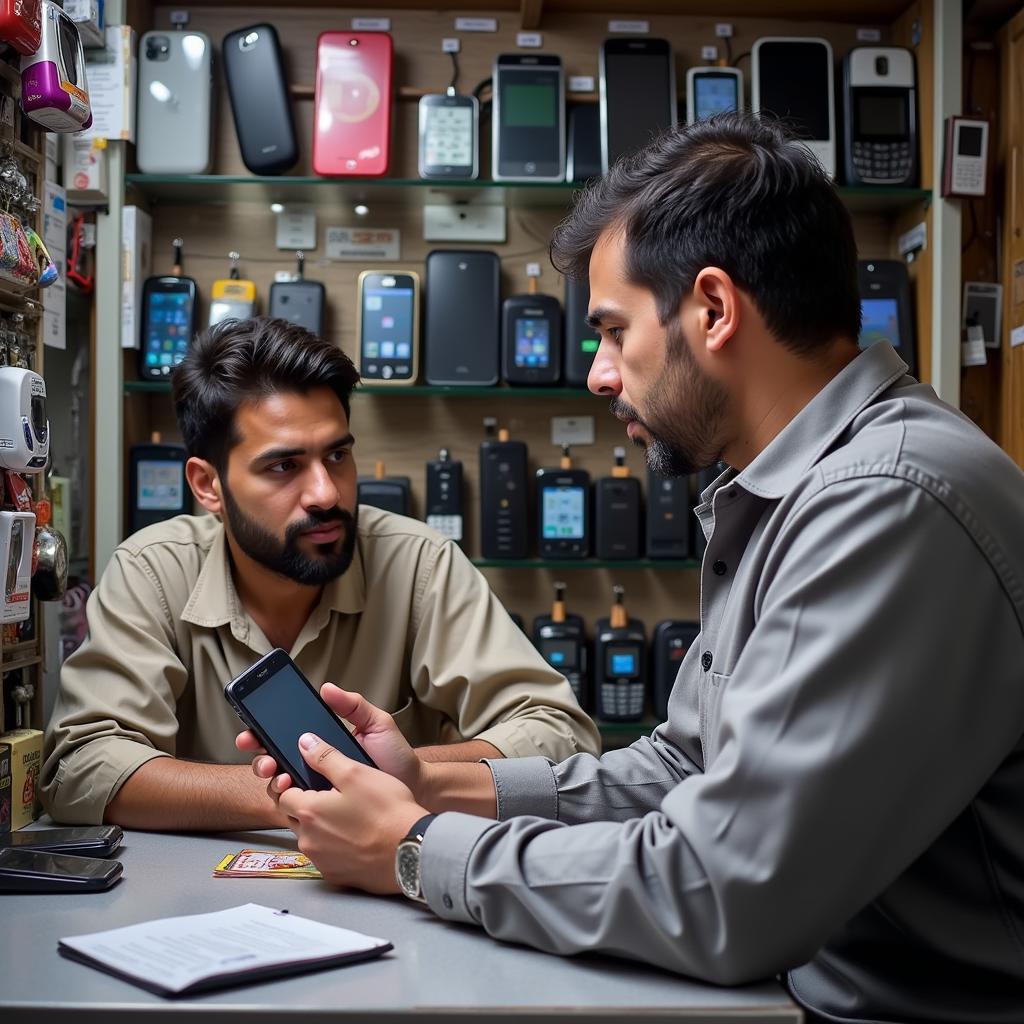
276 454
594 319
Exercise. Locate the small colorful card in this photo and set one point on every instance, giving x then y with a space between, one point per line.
266 864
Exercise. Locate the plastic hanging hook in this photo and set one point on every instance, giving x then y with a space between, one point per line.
234 257
178 244
300 264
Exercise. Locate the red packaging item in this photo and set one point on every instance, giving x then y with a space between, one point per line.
21 23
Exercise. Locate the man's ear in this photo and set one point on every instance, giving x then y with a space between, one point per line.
718 307
204 480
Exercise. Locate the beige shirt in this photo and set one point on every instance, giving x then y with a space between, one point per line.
412 625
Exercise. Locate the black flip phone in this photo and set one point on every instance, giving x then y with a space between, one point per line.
668 516
79 840
462 330
258 89
581 340
278 703
504 498
672 639
26 871
159 490
532 339
168 321
444 496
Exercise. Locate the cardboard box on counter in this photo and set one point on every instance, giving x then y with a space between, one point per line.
26 762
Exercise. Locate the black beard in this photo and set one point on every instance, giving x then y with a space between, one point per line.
284 557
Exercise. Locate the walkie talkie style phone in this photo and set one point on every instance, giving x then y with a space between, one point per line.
299 301
672 639
561 640
620 664
617 505
159 490
260 102
581 341
444 496
168 320
668 516
504 495
232 297
563 510
391 493
531 338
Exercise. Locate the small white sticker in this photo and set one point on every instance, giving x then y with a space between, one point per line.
912 240
972 351
296 226
450 46
632 28
533 270
723 30
574 430
529 40
283 277
1017 336
476 24
709 53
363 244
371 24
869 35
581 83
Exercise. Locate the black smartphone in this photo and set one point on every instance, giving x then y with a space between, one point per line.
79 840
278 703
462 341
258 89
528 118
299 302
24 871
168 320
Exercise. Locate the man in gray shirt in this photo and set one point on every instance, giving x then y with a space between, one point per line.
838 792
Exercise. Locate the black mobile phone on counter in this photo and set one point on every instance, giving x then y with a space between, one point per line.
278 703
27 871
79 840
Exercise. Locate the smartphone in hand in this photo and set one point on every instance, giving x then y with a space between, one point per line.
278 703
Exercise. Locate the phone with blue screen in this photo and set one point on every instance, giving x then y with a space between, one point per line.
278 703
168 322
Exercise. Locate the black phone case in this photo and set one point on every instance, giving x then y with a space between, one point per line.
258 89
299 302
463 300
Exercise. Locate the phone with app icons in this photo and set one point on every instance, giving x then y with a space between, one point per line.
388 326
168 321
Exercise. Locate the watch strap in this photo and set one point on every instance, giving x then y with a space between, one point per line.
419 828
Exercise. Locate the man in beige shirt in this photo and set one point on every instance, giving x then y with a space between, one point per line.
141 734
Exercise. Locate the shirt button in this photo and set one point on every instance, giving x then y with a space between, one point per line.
447 901
705 660
719 568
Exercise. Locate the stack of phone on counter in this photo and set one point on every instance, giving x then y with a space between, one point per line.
59 860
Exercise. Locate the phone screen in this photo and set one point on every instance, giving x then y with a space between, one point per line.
559 653
533 342
564 513
881 115
160 484
621 662
795 85
283 705
638 90
168 329
880 321
448 136
714 94
530 129
387 328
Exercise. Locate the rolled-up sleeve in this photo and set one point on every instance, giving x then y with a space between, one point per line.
864 712
500 689
116 707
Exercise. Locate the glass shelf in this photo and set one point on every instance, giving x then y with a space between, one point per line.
418 389
218 188
561 564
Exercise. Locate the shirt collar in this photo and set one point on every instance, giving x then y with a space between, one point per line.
806 438
214 601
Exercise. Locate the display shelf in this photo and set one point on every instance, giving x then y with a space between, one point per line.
218 188
144 386
623 565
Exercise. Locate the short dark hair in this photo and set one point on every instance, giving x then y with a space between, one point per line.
245 360
734 192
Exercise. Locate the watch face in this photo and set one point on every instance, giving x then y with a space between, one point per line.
407 869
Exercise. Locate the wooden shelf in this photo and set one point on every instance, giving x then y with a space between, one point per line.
561 564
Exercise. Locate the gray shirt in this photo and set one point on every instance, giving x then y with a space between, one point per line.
839 789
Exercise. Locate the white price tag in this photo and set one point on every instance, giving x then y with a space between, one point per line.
363 244
533 270
296 227
529 40
972 351
709 53
631 28
869 35
581 83
723 30
476 24
371 24
450 45
1017 336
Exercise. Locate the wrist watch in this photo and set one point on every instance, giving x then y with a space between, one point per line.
407 860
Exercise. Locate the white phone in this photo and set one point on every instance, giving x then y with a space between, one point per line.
175 103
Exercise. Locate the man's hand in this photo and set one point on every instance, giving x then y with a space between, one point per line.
350 832
375 731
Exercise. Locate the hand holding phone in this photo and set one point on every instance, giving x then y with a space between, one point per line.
276 701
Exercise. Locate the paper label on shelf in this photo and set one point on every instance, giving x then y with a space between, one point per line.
296 227
529 40
869 35
55 227
581 83
476 24
972 351
1017 336
709 53
572 430
371 24
632 28
450 45
363 244
914 239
